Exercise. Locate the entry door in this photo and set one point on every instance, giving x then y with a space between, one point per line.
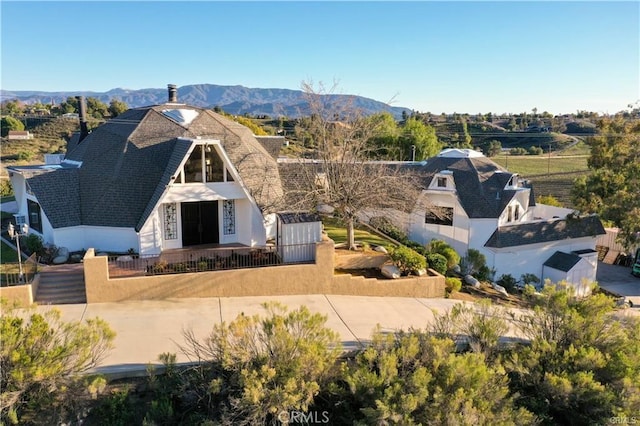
199 223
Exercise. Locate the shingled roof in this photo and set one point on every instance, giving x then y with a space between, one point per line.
562 261
479 183
545 231
128 161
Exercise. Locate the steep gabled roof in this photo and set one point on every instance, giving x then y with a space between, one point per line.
128 161
479 183
545 231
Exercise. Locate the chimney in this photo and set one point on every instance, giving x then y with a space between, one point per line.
173 93
82 109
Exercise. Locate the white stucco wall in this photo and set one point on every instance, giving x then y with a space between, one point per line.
580 277
530 258
457 235
102 238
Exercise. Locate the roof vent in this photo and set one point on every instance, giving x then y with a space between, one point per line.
173 93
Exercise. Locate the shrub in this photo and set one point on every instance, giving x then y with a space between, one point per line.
535 150
33 243
262 366
452 284
25 155
437 262
527 279
508 282
472 262
5 188
441 247
385 226
518 151
407 260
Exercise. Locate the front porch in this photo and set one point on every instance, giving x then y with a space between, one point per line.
210 257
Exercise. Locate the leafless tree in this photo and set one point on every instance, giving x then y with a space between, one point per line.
341 176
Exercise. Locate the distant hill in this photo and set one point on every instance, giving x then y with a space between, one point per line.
237 100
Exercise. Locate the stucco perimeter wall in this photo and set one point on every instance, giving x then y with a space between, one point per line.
315 278
21 295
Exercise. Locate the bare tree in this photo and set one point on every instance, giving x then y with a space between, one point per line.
341 176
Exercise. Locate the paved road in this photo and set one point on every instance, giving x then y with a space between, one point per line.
619 280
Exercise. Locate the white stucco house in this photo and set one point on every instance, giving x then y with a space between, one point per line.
154 178
473 203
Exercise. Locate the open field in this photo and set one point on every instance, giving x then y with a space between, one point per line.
530 165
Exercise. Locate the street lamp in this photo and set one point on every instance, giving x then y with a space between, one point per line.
15 235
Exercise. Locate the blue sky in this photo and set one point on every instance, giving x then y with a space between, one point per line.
429 56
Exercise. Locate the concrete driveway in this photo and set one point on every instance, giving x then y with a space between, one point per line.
618 279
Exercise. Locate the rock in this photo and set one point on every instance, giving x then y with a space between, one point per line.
381 249
472 281
456 269
421 272
62 256
500 289
390 271
124 259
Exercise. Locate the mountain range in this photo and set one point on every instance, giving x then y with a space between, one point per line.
237 100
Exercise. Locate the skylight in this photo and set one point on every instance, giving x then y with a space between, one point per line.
181 116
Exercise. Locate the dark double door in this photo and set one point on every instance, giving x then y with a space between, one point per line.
199 223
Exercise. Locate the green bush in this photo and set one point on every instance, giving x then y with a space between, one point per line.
441 247
529 279
535 150
385 226
518 151
25 155
452 284
407 260
5 188
473 262
437 262
508 282
33 244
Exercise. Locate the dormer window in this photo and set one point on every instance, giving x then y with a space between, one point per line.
204 165
442 182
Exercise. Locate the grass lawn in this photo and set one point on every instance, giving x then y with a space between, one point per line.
532 165
7 254
338 233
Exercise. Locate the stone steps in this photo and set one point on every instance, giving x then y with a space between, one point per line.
62 284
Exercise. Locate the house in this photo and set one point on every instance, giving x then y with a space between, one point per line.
472 203
154 178
17 135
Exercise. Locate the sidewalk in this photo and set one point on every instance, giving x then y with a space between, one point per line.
145 329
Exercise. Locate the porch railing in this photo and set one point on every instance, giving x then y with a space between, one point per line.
11 272
213 259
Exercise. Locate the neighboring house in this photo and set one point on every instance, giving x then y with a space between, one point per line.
154 178
471 202
16 135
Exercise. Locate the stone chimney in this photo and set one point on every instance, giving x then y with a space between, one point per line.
173 93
